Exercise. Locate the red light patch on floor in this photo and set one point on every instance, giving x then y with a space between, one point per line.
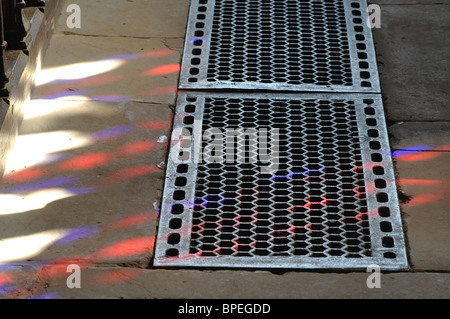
87 161
164 70
125 248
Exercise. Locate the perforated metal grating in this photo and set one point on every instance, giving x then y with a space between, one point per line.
308 45
331 203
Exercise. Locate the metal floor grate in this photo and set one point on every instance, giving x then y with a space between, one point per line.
330 202
308 45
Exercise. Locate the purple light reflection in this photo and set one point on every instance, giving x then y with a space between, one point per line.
75 235
112 132
42 184
411 150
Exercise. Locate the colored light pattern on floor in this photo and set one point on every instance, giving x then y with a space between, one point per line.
55 176
78 80
57 161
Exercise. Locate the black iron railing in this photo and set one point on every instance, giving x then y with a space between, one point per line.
13 29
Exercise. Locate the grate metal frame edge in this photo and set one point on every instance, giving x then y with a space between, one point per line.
365 122
354 30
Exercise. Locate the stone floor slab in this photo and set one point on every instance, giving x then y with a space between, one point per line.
413 52
109 69
130 283
85 181
420 136
125 18
409 2
425 178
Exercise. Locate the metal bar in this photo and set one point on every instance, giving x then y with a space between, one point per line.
15 24
35 3
3 76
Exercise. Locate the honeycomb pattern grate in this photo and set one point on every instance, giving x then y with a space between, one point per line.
309 45
316 191
331 203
